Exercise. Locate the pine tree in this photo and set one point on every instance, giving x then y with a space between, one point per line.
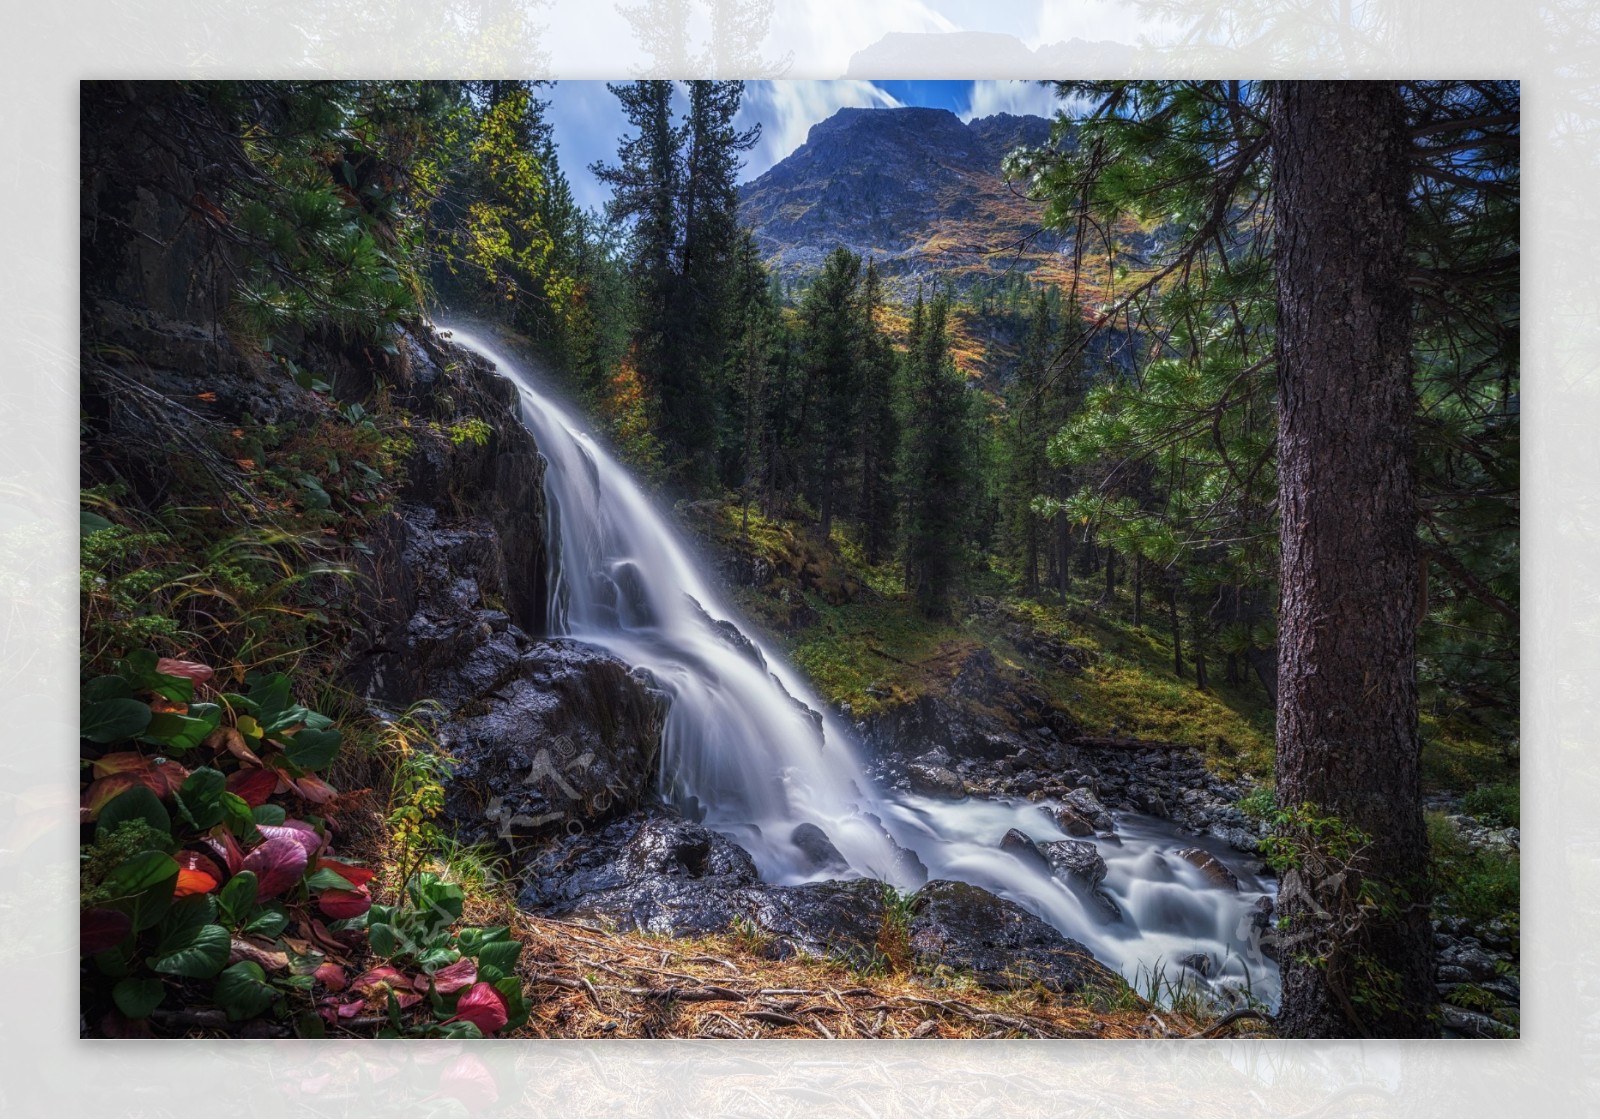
833 344
880 426
936 468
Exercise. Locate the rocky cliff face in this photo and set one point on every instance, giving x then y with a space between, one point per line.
450 600
915 188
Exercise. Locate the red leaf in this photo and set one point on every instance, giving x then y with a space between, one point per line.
298 831
375 983
313 789
193 882
345 904
331 976
255 786
356 876
121 762
191 860
194 670
99 929
104 789
223 843
125 771
454 977
483 1007
278 864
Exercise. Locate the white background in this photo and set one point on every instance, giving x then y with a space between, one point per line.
45 50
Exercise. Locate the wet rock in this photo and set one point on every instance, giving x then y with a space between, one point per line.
1021 845
831 919
567 737
664 875
931 780
1086 805
1215 871
1076 859
1070 821
815 845
998 943
1197 962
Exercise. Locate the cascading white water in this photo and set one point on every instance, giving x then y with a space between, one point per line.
739 749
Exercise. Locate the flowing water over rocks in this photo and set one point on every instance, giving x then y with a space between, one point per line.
785 821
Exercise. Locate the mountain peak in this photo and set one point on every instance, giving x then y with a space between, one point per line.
916 188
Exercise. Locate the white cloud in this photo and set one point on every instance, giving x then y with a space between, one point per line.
1020 98
786 111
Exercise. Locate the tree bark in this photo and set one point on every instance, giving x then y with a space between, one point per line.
1347 739
1177 629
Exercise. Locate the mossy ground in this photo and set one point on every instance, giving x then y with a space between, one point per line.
878 650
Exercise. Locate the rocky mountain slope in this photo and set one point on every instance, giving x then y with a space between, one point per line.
915 188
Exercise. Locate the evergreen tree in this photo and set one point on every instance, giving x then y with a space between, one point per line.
880 426
833 343
937 464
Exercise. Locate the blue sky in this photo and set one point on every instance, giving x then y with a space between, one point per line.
588 123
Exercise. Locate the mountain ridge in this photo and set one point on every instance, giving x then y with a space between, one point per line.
915 188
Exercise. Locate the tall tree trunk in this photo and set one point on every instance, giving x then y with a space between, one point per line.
1197 644
1111 574
1347 737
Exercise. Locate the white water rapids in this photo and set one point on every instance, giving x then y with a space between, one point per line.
737 748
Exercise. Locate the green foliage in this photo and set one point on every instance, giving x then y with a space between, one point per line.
328 214
936 470
418 768
1479 885
1499 805
452 965
178 852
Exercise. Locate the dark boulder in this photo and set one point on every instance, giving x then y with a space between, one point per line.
998 943
1021 845
665 875
1075 859
1086 805
565 738
931 780
816 847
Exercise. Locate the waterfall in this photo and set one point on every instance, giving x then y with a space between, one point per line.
745 752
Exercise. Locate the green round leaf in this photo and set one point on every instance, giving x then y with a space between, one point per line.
238 897
136 998
202 958
142 887
312 750
138 803
243 991
200 797
109 720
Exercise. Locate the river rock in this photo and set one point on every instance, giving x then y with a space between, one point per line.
1021 845
568 738
998 943
1076 859
1215 871
931 780
816 847
1070 821
664 875
1086 805
1197 962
